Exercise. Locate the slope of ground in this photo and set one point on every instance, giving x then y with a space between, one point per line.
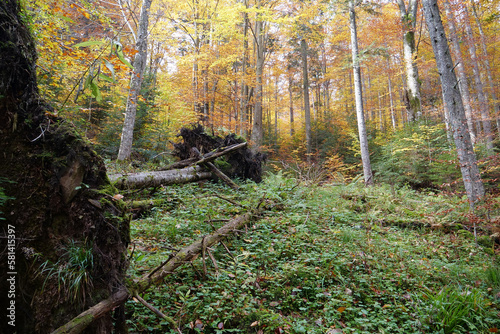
329 259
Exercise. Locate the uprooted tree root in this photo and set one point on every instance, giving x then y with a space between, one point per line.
243 163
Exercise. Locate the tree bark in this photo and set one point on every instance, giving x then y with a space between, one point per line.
467 158
363 140
290 98
307 106
481 96
156 179
135 83
462 82
244 94
257 126
491 83
409 20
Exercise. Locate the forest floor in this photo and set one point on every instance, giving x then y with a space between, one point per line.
321 259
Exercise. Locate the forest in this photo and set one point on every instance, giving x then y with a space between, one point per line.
249 166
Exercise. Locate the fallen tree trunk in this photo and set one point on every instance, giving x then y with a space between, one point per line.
155 179
79 323
188 253
207 157
215 170
84 319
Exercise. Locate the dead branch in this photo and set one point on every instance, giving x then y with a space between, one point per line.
207 157
215 170
156 311
80 322
185 255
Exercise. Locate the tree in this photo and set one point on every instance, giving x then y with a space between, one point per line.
363 140
451 94
464 87
481 96
409 20
260 49
57 206
307 107
496 103
136 79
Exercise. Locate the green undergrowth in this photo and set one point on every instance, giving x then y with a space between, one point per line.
350 258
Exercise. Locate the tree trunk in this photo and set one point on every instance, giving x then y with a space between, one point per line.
363 140
244 95
257 126
462 82
135 83
185 255
409 20
481 97
307 107
156 179
290 97
491 83
467 158
56 183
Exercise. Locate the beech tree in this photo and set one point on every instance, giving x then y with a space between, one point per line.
453 100
489 74
481 96
307 107
363 139
260 50
139 65
409 20
462 82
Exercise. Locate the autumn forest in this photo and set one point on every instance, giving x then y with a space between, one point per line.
250 166
276 72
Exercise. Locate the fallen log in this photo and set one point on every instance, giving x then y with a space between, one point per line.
188 253
210 156
156 276
84 319
156 179
215 170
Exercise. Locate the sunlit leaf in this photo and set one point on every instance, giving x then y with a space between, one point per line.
88 43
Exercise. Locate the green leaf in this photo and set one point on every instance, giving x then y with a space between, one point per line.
96 93
106 78
87 43
120 55
110 67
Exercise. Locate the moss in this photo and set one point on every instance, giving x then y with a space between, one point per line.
466 234
485 241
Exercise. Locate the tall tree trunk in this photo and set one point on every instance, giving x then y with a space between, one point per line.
290 98
462 82
257 126
467 158
363 140
307 107
481 96
391 98
244 96
409 20
491 83
135 83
